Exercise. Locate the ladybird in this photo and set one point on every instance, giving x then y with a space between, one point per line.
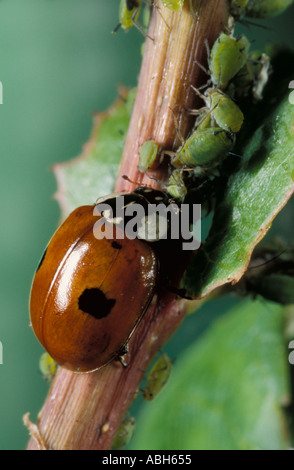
89 294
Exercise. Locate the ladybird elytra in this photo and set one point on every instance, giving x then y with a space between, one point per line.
88 295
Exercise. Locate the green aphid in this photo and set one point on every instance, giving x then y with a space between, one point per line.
220 110
129 10
48 367
205 148
228 56
124 434
265 8
157 377
176 187
225 112
148 155
175 5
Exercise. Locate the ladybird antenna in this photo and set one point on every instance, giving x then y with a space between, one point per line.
125 177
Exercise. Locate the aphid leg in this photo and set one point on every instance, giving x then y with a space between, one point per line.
202 67
235 155
177 127
192 10
231 135
198 92
116 28
138 26
197 112
153 3
206 43
170 153
194 112
206 85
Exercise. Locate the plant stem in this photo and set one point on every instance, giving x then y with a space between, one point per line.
84 411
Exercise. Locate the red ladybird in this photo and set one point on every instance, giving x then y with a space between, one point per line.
89 294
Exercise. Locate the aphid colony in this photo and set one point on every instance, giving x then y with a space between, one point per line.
233 73
129 10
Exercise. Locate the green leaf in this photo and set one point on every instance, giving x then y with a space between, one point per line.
93 174
254 196
227 391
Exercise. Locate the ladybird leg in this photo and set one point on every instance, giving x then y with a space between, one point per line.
122 353
182 293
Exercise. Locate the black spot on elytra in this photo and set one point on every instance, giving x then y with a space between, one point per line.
116 245
94 302
42 259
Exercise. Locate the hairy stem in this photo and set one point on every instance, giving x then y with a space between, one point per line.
84 411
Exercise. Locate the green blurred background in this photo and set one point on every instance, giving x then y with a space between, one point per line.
59 63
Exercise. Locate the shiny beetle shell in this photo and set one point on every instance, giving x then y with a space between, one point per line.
88 295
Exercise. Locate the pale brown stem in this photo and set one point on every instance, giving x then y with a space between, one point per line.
85 411
164 93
